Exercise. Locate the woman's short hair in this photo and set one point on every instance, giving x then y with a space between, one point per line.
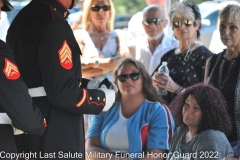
230 13
86 10
148 89
213 107
186 8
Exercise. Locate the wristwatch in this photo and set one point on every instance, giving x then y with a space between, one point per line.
96 64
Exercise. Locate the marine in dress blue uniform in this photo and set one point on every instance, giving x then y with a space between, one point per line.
48 57
16 107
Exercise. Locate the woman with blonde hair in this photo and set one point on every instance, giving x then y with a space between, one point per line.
222 69
102 46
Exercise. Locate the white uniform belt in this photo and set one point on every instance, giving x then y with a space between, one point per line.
4 119
37 92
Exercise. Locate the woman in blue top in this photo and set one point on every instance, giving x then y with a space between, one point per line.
138 126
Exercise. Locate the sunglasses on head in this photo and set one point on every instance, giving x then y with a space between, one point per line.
97 8
156 21
187 23
133 76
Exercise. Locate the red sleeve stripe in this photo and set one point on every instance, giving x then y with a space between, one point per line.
83 98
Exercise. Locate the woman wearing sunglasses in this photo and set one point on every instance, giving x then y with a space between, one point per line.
137 123
101 46
186 63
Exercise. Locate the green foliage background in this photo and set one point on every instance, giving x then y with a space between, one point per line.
134 6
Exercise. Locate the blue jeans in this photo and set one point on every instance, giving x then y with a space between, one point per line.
236 148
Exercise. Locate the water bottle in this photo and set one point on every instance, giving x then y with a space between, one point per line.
163 68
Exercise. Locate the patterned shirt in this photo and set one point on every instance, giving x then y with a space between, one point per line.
186 73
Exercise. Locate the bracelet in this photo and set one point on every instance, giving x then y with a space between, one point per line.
180 89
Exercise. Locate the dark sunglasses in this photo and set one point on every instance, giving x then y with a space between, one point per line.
97 8
187 23
133 76
156 21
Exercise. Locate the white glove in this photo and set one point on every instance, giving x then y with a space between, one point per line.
17 131
113 86
93 84
7 120
110 97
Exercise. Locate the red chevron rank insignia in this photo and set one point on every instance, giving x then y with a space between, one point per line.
65 56
11 70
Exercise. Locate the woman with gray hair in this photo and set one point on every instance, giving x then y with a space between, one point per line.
187 62
223 69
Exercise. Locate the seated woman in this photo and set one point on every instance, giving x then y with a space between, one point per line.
202 119
137 122
102 47
187 62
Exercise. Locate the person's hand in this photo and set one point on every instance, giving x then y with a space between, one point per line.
93 84
163 80
110 97
158 81
17 131
230 157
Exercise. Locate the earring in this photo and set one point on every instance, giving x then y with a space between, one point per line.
89 21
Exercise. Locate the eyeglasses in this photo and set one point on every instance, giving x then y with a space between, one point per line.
187 23
133 76
156 21
97 8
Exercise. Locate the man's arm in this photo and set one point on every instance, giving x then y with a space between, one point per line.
14 97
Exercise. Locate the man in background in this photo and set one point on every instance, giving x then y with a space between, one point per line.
135 28
153 43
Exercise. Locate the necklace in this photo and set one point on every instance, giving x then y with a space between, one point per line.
188 50
102 38
186 58
222 82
